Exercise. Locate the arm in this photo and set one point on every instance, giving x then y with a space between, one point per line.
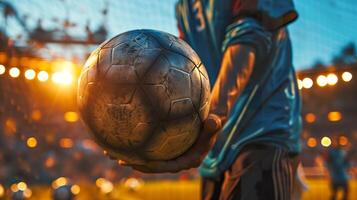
236 69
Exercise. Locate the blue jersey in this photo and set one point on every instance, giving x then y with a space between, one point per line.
268 109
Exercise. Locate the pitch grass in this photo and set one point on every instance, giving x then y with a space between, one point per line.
175 190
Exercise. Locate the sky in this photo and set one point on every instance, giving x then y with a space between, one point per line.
323 27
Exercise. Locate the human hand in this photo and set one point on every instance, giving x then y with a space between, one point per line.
191 158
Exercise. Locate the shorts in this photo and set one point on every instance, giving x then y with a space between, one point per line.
260 172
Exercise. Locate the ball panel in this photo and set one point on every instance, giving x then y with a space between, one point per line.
205 95
178 61
173 139
125 53
174 44
82 84
203 71
157 72
119 39
183 48
104 61
121 74
196 88
84 98
145 60
158 98
181 108
145 41
118 115
178 83
92 60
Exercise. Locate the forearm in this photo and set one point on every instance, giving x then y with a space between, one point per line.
236 69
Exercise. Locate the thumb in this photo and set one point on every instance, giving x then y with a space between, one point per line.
212 124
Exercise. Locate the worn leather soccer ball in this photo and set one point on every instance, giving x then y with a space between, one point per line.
144 94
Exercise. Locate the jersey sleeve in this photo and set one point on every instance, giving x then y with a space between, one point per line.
272 14
249 31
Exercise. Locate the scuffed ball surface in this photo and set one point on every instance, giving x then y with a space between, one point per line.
144 95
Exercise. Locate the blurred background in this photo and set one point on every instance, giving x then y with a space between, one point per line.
44 147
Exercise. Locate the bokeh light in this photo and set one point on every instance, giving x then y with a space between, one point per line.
343 140
107 187
332 79
310 117
2 69
307 83
325 141
2 191
346 76
321 80
66 143
27 193
311 142
71 116
59 182
334 116
42 76
31 142
62 78
10 126
99 182
36 115
22 186
132 183
50 162
14 187
75 189
14 72
30 74
104 185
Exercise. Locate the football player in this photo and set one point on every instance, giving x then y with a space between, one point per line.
246 49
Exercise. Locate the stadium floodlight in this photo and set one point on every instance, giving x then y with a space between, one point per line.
310 118
346 76
75 189
59 182
321 80
307 83
326 141
30 74
22 186
334 116
2 191
2 69
332 79
27 193
311 142
42 76
71 116
14 72
31 142
62 78
343 140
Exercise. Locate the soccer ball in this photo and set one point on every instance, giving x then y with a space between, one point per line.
144 94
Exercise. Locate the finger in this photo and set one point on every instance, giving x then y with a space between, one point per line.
212 124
